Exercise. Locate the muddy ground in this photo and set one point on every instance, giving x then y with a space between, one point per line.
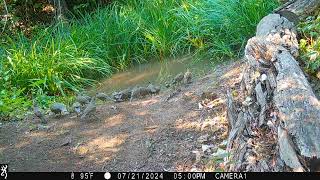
150 134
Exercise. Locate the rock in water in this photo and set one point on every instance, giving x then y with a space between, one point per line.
187 77
38 113
103 97
83 99
58 108
90 109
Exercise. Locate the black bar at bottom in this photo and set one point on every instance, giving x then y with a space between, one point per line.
156 175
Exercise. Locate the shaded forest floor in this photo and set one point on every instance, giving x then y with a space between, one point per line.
150 134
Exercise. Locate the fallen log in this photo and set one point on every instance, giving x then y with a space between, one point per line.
277 126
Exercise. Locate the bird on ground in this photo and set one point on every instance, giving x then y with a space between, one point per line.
76 106
90 110
38 113
177 79
167 84
153 89
58 108
83 99
139 92
187 77
103 97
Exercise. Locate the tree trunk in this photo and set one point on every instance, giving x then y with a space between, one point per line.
277 126
60 8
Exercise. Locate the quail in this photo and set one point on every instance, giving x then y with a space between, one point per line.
90 109
187 77
76 106
167 84
125 94
153 89
138 92
103 97
38 112
58 108
83 99
177 79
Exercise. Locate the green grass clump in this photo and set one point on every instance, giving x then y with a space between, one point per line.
310 44
64 58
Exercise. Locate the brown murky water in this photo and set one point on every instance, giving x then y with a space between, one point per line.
156 73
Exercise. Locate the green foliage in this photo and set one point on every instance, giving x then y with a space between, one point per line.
310 43
13 104
64 58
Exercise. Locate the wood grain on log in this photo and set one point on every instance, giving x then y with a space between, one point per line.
301 8
279 106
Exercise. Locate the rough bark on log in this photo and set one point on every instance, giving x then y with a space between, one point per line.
280 113
300 8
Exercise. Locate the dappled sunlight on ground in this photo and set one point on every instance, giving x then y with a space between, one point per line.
115 120
22 144
68 124
104 143
146 102
187 125
147 134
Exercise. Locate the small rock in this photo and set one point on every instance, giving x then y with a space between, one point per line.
203 138
66 141
223 144
263 78
113 107
247 102
42 127
220 153
209 95
206 148
198 156
194 169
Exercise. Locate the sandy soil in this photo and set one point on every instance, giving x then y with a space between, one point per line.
150 134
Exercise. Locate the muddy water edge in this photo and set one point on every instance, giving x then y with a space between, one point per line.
154 72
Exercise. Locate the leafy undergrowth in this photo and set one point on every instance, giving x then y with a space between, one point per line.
310 49
69 56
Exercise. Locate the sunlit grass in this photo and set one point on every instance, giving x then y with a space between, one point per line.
66 57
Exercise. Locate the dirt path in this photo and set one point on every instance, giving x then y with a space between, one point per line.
150 134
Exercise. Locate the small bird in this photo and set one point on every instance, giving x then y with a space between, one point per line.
139 92
187 77
153 89
177 79
167 84
76 106
90 109
58 108
125 94
103 97
38 112
83 99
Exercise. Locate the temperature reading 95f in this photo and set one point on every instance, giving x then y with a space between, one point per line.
189 176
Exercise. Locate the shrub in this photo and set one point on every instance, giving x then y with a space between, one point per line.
310 43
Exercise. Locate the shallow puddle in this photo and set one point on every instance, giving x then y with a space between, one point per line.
155 72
